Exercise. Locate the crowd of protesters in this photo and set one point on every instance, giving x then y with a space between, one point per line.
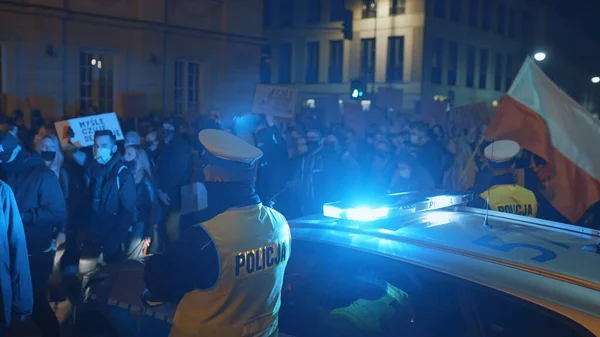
113 200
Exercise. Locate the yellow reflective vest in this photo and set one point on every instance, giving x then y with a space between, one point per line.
367 317
512 199
253 245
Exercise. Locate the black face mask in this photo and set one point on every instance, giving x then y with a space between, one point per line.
48 155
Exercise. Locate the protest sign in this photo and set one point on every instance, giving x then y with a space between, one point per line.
275 100
80 131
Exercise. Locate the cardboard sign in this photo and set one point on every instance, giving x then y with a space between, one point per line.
275 100
80 131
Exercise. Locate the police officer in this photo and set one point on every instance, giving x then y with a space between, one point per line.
226 270
502 191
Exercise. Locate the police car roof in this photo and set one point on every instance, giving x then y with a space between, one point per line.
518 244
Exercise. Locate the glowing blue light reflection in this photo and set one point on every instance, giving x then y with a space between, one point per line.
361 213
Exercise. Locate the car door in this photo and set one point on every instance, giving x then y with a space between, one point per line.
339 291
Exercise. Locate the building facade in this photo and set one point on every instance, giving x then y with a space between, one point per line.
61 56
468 49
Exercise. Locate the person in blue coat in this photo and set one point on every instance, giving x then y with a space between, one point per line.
16 294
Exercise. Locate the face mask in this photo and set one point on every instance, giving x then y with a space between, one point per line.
404 173
102 155
302 150
48 155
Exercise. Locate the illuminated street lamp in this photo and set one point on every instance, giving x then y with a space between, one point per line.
540 56
596 79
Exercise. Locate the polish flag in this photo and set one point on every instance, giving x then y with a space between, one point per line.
544 120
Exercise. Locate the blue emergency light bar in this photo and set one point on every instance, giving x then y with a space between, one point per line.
393 205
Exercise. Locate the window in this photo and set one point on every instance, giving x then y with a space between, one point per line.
452 62
436 70
470 80
503 315
336 61
367 59
285 63
397 7
321 284
473 13
96 81
395 61
313 11
265 64
509 65
483 67
336 12
455 10
512 23
286 13
187 86
369 9
486 15
312 62
501 18
268 13
439 9
498 73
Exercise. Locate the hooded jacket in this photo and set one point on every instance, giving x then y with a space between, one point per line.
39 197
16 298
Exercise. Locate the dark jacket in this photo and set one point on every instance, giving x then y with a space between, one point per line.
114 206
16 296
147 204
174 169
39 197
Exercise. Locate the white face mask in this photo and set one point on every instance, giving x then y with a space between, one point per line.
102 155
404 173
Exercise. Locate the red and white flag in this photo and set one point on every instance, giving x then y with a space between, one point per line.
544 120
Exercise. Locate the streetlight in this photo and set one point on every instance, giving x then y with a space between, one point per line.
596 79
540 56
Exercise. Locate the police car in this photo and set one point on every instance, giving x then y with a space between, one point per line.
455 271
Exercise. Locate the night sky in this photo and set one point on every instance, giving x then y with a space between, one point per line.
583 13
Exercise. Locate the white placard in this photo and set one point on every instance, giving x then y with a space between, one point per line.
83 129
275 100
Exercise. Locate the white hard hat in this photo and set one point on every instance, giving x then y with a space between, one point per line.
225 146
501 151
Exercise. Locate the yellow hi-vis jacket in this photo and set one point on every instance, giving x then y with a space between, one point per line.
512 199
253 245
367 317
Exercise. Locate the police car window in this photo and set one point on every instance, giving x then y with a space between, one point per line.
335 291
502 315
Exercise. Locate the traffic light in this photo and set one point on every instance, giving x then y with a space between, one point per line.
357 90
347 25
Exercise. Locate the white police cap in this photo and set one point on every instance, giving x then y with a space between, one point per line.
501 151
228 147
